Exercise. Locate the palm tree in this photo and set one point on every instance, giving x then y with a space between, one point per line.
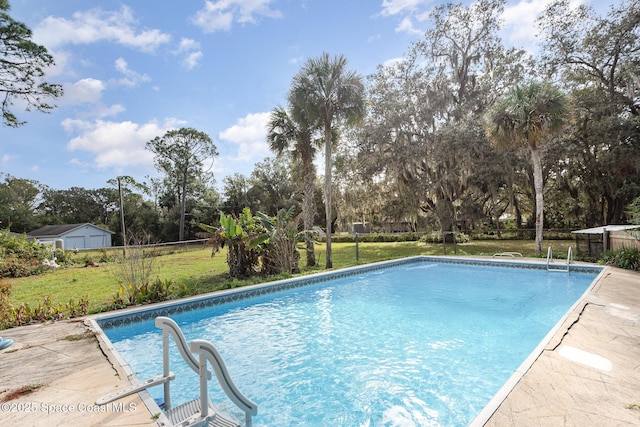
284 129
528 115
326 92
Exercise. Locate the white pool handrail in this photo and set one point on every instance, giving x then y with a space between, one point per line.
207 352
550 260
170 328
197 411
510 254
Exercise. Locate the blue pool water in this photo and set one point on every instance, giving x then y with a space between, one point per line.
423 344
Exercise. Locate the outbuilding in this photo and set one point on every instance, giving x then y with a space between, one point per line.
73 236
597 240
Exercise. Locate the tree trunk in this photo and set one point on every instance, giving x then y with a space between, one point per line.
537 184
308 206
183 208
327 187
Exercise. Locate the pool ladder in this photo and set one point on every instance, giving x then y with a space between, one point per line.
558 267
197 412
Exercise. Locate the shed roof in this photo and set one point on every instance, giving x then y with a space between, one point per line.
60 229
602 229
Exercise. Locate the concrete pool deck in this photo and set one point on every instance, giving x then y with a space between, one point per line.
588 374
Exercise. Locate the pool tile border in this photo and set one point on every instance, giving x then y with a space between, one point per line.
140 314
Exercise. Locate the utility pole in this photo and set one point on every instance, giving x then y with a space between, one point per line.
124 233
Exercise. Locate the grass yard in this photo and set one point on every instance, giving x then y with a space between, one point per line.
199 273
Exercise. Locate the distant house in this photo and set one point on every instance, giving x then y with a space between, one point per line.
73 236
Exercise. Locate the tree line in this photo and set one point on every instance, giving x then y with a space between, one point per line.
430 153
461 133
152 211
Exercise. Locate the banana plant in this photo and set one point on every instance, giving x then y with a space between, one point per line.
281 255
230 228
245 238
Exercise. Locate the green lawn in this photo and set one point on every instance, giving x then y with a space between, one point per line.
201 273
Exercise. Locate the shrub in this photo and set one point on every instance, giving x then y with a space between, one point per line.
105 257
633 211
78 309
436 237
156 291
19 257
627 258
135 270
182 290
375 237
46 310
5 305
64 257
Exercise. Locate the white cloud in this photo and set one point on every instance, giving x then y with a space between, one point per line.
250 134
89 91
519 27
97 25
7 159
394 7
102 111
410 13
84 91
131 78
187 45
76 125
221 14
297 57
296 60
79 164
116 144
191 51
393 61
61 59
192 60
407 26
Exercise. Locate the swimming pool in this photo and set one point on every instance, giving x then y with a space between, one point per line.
413 342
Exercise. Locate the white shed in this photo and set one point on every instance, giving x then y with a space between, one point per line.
74 236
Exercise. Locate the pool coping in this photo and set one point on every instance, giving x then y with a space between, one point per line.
151 311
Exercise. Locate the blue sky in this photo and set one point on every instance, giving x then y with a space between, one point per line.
132 70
